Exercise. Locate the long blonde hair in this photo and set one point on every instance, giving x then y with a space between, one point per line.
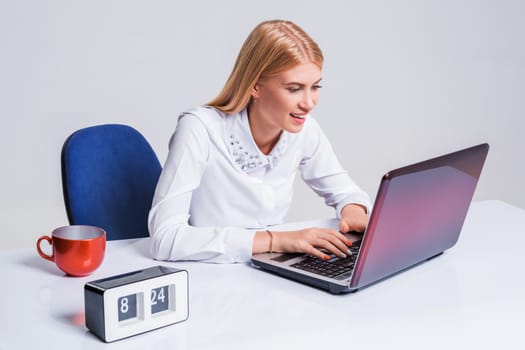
272 47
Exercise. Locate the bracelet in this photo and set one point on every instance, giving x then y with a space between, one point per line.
271 241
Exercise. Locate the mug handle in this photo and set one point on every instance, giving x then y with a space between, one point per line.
42 254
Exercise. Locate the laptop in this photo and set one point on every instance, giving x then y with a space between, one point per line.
418 213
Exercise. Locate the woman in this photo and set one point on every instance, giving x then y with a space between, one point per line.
231 165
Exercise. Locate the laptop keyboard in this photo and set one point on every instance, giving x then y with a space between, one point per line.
336 267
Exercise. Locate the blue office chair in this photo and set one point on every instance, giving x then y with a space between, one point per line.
109 175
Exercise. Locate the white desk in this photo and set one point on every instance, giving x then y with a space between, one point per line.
471 297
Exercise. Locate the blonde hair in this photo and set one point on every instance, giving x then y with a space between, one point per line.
272 47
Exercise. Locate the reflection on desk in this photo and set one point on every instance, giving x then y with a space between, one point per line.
473 295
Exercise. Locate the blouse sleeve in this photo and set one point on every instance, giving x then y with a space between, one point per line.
323 173
172 237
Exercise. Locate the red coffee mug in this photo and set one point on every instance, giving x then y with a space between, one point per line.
78 250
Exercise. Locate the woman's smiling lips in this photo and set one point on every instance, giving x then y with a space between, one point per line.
298 117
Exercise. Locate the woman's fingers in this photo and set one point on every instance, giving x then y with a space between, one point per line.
329 247
343 225
353 218
310 250
329 240
314 241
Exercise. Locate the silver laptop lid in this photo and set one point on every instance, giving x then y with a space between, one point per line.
418 213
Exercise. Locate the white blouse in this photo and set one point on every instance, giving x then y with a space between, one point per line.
217 188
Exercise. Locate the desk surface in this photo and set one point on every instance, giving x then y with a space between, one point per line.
473 295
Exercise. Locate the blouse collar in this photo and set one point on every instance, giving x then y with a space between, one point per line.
244 150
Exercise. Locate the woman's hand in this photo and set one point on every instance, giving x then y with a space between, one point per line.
315 241
309 241
353 218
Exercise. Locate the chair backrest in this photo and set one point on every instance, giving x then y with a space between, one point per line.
109 175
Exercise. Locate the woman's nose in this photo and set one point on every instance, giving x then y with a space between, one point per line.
308 101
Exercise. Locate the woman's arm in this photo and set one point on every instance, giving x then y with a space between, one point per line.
322 172
172 237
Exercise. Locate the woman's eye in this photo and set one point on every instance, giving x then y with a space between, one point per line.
294 89
317 87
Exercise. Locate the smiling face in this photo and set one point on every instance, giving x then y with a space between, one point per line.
282 101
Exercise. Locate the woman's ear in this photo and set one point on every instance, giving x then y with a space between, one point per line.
255 92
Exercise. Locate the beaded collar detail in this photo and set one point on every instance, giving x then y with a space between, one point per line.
245 152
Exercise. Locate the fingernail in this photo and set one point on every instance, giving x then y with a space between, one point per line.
326 257
349 252
348 242
343 255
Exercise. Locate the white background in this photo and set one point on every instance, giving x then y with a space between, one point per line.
403 81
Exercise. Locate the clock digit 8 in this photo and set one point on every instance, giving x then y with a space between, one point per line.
124 305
